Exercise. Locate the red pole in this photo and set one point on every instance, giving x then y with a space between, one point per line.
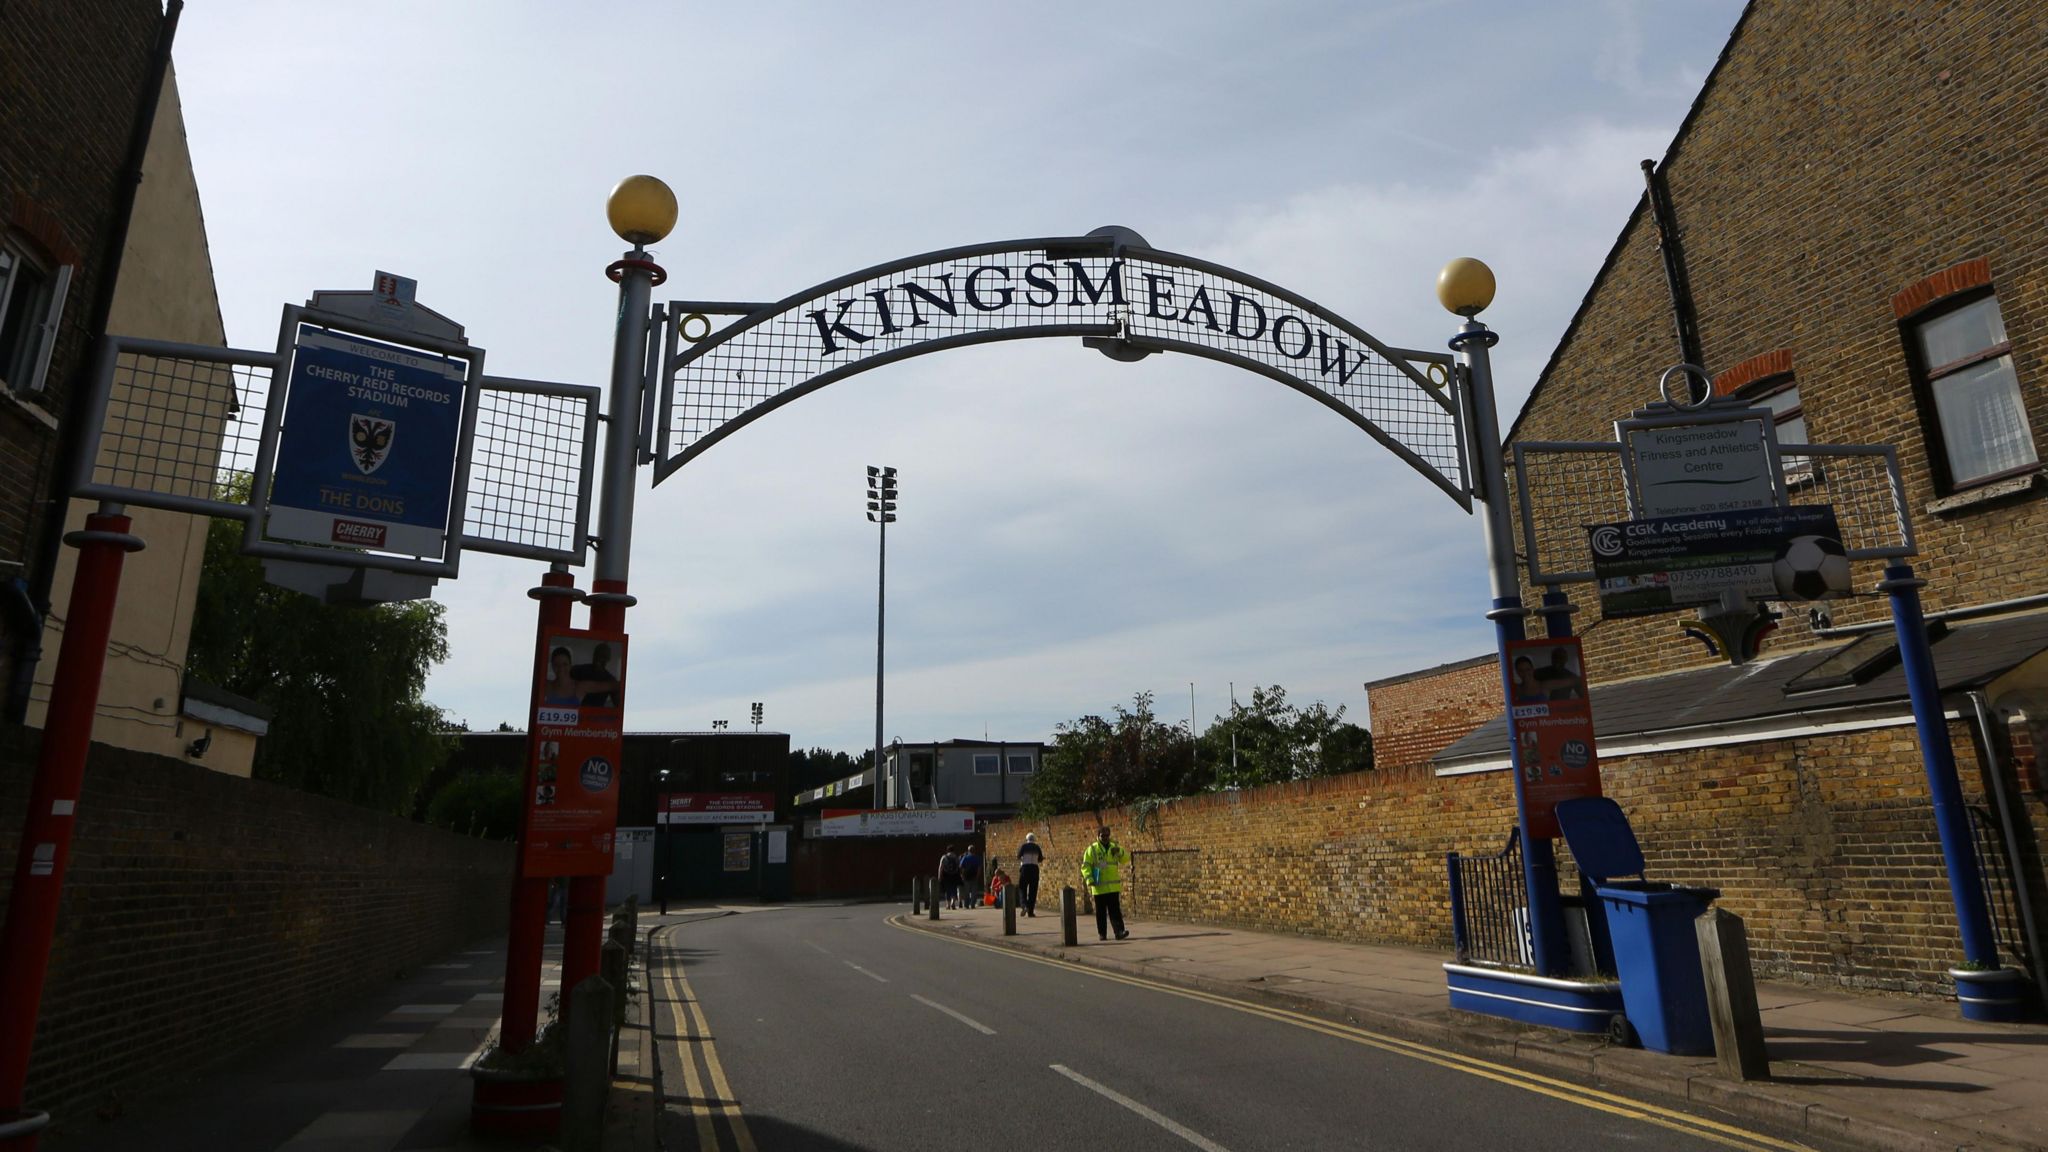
526 935
583 936
53 801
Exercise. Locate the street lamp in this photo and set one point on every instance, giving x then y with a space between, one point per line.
660 840
642 210
757 715
1465 287
881 513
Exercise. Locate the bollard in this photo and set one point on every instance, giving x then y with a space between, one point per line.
931 906
1731 996
1070 934
916 895
585 1081
613 963
1009 909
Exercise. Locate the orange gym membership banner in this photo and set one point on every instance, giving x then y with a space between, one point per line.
572 794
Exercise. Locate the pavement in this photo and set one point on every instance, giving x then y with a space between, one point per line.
387 1073
1871 1071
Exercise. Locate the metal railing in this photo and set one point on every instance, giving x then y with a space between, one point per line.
1490 907
1994 870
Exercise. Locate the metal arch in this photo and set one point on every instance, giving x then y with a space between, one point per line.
1392 394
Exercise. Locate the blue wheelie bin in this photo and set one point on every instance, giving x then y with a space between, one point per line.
1655 949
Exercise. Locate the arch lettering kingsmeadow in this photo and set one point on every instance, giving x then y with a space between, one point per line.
1122 298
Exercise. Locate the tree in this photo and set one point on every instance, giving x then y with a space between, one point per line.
1347 748
478 804
1277 741
818 766
1095 763
343 683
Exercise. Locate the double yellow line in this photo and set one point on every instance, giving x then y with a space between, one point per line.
1685 1122
692 1040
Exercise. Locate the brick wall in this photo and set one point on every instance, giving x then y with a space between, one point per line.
1825 845
203 913
1844 153
71 79
1418 715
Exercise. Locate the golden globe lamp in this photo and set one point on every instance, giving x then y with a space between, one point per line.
641 209
1465 287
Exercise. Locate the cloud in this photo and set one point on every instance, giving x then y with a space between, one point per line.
1073 530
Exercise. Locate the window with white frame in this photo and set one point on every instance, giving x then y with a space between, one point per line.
1970 393
987 764
31 303
1020 764
1780 394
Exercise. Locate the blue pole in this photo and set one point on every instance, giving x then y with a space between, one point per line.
1539 862
1557 614
1937 756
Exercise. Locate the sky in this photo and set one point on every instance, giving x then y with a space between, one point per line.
1073 531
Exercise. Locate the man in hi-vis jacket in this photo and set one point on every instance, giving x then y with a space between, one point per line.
1102 870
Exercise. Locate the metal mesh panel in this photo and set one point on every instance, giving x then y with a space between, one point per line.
180 426
1021 289
1562 488
528 470
1296 342
1861 484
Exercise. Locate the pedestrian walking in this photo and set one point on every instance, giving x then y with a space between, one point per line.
1029 857
970 877
949 877
1102 870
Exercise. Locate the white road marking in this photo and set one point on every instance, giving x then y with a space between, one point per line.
822 951
866 973
1180 1130
977 1025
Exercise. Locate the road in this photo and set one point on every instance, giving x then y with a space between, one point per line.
829 1028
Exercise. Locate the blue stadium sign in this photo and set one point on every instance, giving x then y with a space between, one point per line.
368 453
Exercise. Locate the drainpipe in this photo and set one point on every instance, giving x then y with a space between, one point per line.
28 650
1993 749
1683 315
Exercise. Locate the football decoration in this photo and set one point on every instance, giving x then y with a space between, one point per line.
1811 567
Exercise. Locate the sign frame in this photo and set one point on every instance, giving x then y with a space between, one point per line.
451 346
1659 417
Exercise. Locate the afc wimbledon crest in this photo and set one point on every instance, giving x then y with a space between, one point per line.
369 440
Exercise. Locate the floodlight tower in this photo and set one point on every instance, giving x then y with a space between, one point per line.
881 513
